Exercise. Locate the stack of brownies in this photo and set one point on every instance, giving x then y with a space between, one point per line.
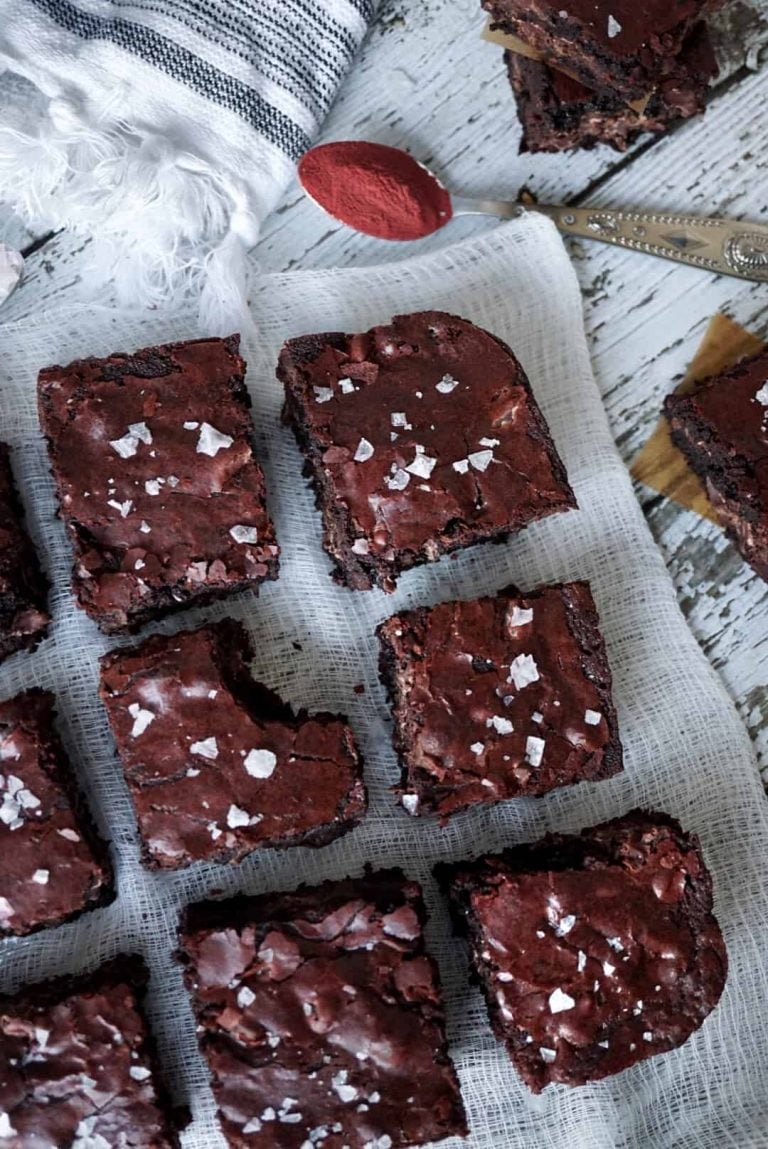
586 72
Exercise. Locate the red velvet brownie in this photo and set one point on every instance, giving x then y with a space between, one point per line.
421 437
722 429
499 698
614 46
157 481
216 763
78 1066
594 951
321 1019
557 112
53 864
24 617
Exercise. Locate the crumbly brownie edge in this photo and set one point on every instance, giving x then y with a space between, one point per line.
233 651
31 591
571 46
720 471
364 572
124 969
584 624
57 765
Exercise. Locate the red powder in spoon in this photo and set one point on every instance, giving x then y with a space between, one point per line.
375 189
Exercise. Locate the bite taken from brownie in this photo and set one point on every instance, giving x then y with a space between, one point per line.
722 429
320 1016
593 951
500 697
216 763
158 484
420 437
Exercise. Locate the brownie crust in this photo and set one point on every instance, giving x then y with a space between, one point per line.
498 698
78 1066
722 429
158 485
622 48
420 438
320 1016
557 113
24 617
593 951
53 863
216 763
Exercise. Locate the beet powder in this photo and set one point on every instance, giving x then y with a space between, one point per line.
375 189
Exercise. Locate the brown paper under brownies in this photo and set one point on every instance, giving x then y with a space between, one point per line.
660 465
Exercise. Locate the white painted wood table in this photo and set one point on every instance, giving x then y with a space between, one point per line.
426 80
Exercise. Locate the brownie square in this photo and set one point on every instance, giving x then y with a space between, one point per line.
556 112
24 617
320 1016
593 951
157 481
53 864
78 1066
420 438
499 698
216 763
617 47
722 429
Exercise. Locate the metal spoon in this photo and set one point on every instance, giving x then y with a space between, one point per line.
380 183
725 246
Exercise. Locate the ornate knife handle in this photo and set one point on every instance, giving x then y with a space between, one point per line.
719 245
724 246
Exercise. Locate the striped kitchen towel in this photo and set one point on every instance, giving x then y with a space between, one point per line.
165 130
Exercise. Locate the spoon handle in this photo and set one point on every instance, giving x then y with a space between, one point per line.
723 246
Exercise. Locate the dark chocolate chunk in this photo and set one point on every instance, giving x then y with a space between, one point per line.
216 763
594 951
53 864
320 1016
157 481
24 617
420 438
499 698
78 1066
557 112
618 47
722 429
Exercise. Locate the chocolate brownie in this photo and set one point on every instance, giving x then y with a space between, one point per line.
420 437
158 484
722 429
53 864
24 617
614 46
499 697
216 763
594 951
320 1016
78 1066
557 112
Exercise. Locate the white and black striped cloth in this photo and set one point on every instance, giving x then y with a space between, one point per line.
185 117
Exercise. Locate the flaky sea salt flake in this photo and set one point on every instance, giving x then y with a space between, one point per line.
212 441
